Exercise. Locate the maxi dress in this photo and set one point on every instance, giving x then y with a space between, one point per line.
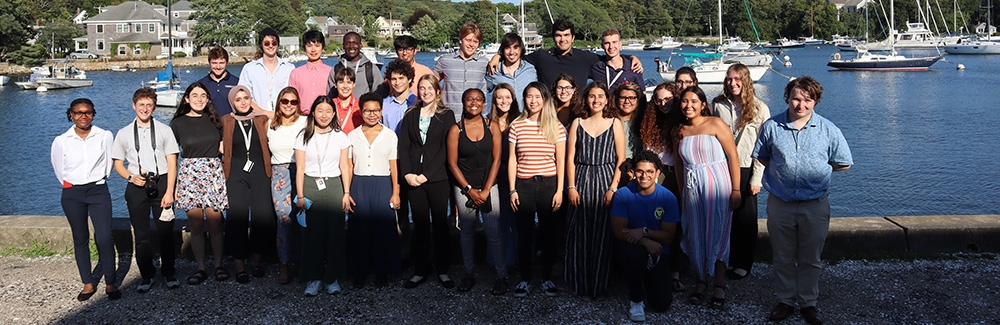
588 226
705 211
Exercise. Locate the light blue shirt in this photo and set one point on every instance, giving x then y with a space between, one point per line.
799 162
458 74
393 110
265 86
523 75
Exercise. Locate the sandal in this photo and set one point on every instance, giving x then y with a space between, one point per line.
499 287
243 277
679 286
716 302
698 297
197 278
466 284
221 274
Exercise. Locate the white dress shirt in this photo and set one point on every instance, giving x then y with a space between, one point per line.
79 161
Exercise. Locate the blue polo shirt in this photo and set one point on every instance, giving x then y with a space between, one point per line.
799 162
524 75
393 110
611 77
219 91
646 210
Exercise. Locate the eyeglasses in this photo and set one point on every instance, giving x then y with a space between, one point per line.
268 43
628 98
87 113
564 88
476 99
286 101
664 101
371 111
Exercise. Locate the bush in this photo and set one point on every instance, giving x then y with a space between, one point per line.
179 54
29 55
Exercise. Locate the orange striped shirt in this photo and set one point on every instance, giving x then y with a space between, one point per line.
535 156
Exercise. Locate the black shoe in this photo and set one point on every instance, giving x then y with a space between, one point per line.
359 282
258 271
171 282
381 281
84 296
113 295
410 284
145 285
466 284
446 282
243 277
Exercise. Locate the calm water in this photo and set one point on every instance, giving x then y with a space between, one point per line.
921 141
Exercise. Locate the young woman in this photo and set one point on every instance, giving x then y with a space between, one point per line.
322 180
348 111
284 128
706 149
597 147
81 158
422 136
372 226
740 108
474 159
246 162
631 102
685 77
201 186
504 109
536 169
567 102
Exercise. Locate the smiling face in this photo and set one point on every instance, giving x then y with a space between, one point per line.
627 100
426 92
314 50
372 113
399 83
533 101
468 45
323 114
345 88
734 83
198 99
503 99
663 99
473 103
218 66
82 115
800 105
512 54
352 46
646 174
685 80
242 102
597 100
407 54
144 108
288 105
565 91
270 46
564 39
691 105
612 45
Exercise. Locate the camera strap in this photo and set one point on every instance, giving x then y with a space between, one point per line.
152 142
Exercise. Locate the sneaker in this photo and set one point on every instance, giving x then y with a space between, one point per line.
550 288
172 282
333 288
313 288
522 289
146 285
637 311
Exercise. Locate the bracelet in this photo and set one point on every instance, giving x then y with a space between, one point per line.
347 193
613 189
571 187
512 192
129 178
736 190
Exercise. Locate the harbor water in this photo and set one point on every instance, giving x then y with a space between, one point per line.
924 143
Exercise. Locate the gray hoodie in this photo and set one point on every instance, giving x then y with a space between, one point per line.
361 86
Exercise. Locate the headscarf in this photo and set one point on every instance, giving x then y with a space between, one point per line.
249 115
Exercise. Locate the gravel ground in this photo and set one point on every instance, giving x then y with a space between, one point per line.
959 290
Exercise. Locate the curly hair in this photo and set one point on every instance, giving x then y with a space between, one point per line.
574 102
748 97
651 132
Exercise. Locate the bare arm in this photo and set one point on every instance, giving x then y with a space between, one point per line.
346 175
619 131
571 192
560 175
168 196
300 177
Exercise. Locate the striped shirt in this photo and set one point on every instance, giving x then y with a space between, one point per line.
458 74
535 156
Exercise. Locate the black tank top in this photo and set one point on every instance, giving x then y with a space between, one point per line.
474 157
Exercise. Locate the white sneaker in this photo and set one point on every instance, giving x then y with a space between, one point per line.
333 288
313 288
146 285
522 289
637 312
550 288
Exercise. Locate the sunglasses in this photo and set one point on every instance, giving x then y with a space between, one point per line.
286 101
269 43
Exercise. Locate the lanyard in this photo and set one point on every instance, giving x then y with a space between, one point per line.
152 142
607 75
322 156
347 117
246 136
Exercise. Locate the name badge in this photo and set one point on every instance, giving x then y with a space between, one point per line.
248 166
320 183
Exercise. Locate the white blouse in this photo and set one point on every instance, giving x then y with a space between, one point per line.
323 153
373 159
281 141
79 161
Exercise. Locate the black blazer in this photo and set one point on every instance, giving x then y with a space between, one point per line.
434 151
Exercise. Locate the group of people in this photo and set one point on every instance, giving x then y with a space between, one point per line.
302 161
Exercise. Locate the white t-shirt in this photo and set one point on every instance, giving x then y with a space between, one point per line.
281 142
373 159
323 153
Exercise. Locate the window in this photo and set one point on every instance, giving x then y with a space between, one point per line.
176 14
138 28
122 49
137 50
152 28
100 44
122 28
100 29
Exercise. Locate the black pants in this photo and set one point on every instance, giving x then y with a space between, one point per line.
743 235
430 201
249 207
677 257
79 202
535 195
140 206
645 284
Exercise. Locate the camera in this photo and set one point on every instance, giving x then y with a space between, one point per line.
150 187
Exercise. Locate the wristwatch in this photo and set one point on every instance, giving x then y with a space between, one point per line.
465 190
645 232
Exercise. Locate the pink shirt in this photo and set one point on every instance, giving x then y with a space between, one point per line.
419 70
310 81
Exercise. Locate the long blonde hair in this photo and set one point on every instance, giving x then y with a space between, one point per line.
748 97
438 104
548 121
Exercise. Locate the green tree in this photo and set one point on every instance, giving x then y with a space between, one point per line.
429 33
29 55
14 30
223 22
278 14
59 35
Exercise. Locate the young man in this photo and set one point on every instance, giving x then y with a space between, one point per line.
219 81
367 76
401 97
800 150
462 70
310 78
406 50
644 216
513 70
346 105
268 74
151 151
613 69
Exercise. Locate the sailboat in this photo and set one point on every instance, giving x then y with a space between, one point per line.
714 72
866 60
975 45
169 97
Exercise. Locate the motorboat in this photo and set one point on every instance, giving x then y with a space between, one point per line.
118 68
4 80
785 43
810 41
917 36
735 44
975 45
488 51
389 54
668 42
653 47
61 77
712 72
372 55
865 60
44 71
633 45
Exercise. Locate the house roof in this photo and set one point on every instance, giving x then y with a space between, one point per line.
181 6
130 10
137 38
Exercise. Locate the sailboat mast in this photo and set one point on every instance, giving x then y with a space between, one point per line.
720 22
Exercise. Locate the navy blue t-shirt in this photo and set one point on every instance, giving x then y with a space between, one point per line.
219 92
646 210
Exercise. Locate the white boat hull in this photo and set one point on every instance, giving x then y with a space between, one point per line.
63 83
169 97
977 47
715 73
4 80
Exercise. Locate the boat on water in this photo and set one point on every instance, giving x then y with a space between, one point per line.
653 47
866 60
44 71
712 72
668 42
633 45
489 50
60 77
785 43
809 40
917 36
118 68
735 44
168 96
389 54
4 80
975 45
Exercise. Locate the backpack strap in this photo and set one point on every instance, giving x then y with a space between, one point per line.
369 75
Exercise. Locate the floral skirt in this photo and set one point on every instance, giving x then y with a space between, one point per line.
201 185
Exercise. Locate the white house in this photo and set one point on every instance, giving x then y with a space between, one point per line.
389 28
